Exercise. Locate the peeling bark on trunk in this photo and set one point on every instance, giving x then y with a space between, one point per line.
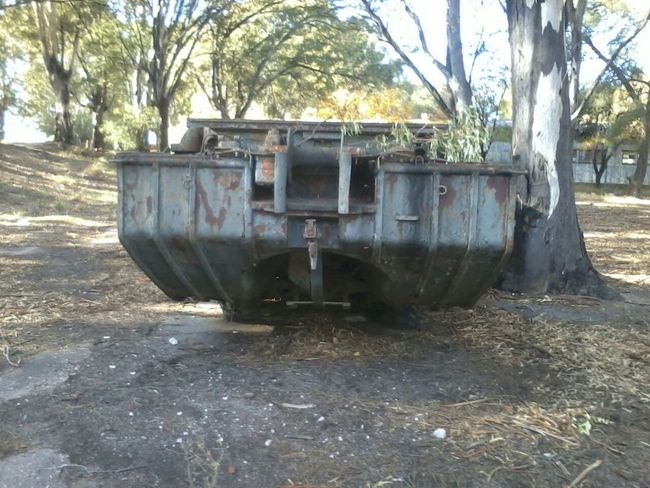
549 255
457 82
575 19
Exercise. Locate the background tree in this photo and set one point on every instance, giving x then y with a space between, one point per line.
637 87
105 70
549 253
280 55
9 53
166 34
456 93
584 24
447 77
607 122
60 27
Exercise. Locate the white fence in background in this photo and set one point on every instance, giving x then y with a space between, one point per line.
620 167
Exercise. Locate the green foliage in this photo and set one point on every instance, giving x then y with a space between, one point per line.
464 141
611 117
461 142
284 55
393 104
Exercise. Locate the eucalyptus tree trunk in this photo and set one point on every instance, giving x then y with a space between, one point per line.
575 19
549 255
457 80
64 125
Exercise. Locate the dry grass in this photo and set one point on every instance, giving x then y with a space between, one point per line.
609 359
617 233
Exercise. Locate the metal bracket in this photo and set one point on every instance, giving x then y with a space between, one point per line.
311 235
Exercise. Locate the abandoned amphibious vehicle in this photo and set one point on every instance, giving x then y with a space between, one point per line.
313 213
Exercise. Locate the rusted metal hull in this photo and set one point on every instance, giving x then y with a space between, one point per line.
239 228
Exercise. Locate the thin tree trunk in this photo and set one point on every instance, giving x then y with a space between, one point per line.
637 180
549 255
60 81
600 166
2 122
98 130
163 111
67 130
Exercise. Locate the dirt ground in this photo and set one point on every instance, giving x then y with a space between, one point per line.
106 383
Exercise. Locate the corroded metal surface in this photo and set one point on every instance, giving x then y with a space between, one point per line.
224 224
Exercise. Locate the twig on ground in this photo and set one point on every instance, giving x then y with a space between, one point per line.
100 471
609 448
5 350
469 402
585 472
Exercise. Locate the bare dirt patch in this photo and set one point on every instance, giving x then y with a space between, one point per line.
528 391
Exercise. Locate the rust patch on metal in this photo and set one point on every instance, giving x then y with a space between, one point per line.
265 170
228 181
234 183
500 187
210 218
260 229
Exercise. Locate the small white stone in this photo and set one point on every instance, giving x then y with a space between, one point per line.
173 341
440 433
111 366
267 443
179 413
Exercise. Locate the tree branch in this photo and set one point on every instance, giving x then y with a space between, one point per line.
407 60
609 64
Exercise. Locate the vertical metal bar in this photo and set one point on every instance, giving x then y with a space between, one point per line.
379 216
280 183
434 234
316 279
345 171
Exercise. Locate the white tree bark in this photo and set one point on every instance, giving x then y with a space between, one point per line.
549 253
